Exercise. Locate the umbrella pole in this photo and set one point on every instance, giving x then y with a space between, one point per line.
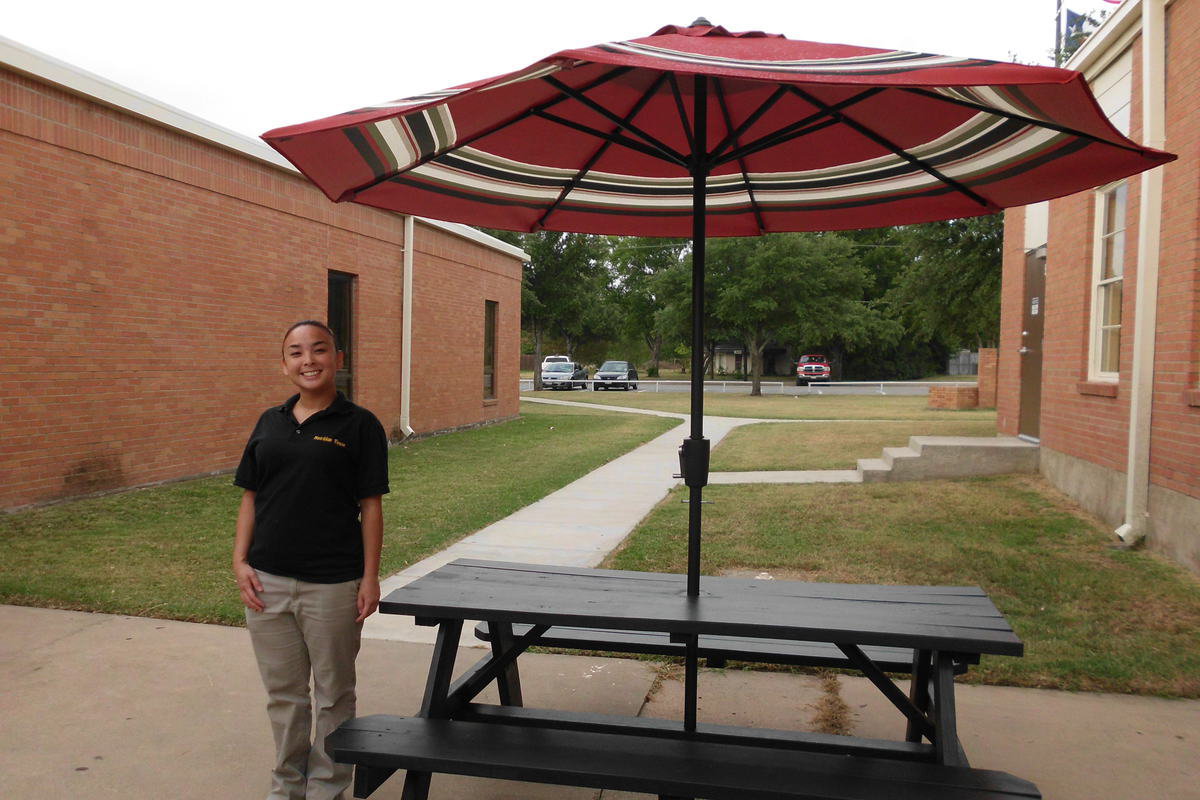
694 453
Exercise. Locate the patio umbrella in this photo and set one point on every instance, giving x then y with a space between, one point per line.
702 132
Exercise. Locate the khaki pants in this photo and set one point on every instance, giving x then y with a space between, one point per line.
306 629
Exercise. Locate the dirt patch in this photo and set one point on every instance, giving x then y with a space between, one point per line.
663 672
831 714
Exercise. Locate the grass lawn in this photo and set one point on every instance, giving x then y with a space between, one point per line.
829 445
815 406
1092 617
164 551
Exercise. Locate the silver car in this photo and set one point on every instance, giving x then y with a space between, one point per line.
564 375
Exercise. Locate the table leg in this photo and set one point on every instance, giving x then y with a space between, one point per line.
918 690
435 703
947 747
508 683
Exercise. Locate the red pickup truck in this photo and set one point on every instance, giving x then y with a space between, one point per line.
811 367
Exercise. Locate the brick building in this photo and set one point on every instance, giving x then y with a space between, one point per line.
149 263
1100 320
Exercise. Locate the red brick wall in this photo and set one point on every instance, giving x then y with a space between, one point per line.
448 315
1175 444
146 280
953 398
987 377
1076 421
1012 292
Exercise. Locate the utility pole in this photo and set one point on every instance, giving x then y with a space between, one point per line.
1058 33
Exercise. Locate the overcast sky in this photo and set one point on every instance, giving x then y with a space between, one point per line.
252 65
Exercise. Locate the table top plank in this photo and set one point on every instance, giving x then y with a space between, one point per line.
953 619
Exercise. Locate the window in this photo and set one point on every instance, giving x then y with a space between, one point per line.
1108 270
489 349
340 319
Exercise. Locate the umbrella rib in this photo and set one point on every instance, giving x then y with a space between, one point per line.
896 149
733 135
683 117
599 109
615 138
796 129
758 217
600 151
1021 118
349 194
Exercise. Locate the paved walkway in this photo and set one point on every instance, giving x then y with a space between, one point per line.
576 526
102 706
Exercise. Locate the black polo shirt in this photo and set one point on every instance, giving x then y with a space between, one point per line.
308 479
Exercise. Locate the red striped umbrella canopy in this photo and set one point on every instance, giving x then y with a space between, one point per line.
701 132
794 135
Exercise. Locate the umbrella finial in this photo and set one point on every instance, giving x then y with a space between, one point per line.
701 21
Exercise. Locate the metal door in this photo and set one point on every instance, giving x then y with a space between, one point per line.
1034 313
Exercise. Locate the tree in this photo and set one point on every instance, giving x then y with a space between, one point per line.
950 290
793 287
561 285
638 265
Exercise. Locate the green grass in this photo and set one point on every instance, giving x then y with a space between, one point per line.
816 406
165 551
829 445
1092 617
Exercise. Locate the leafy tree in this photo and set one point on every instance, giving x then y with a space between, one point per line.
793 287
638 265
562 286
950 290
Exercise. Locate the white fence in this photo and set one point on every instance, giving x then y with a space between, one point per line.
785 387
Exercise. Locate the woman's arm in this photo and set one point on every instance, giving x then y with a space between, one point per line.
372 536
243 573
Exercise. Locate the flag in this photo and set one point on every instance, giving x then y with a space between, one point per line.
1075 25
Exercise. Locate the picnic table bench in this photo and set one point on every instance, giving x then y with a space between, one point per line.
718 651
931 632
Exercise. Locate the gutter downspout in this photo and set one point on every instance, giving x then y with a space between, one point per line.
406 328
1137 471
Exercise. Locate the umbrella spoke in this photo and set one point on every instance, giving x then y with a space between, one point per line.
350 194
653 141
758 217
615 138
958 101
600 151
794 131
733 135
810 124
883 141
683 117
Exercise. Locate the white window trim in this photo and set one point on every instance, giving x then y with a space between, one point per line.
1094 339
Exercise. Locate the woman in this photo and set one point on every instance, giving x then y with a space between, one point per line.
306 557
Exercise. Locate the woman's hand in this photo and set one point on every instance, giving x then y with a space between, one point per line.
249 585
368 597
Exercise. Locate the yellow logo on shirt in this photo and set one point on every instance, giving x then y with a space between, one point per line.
330 439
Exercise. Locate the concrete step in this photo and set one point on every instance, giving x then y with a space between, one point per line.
874 470
934 457
893 454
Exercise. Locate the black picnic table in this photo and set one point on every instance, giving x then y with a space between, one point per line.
936 631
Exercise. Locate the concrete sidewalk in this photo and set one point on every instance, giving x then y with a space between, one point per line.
576 526
97 706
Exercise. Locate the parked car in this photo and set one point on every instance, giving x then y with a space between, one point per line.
812 367
555 360
564 375
615 375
